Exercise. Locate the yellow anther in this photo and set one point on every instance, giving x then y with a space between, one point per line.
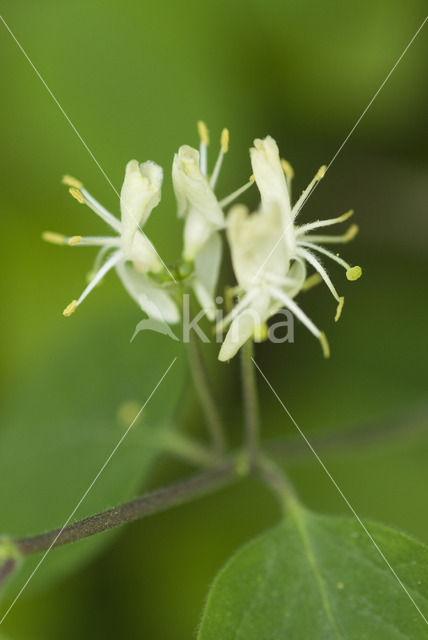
203 132
345 216
324 345
312 281
287 168
351 233
353 273
75 240
72 182
339 308
252 178
71 308
321 172
261 332
224 140
54 238
76 193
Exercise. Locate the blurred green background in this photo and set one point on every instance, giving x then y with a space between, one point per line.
134 77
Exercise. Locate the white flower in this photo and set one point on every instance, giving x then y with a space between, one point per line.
203 214
131 252
270 253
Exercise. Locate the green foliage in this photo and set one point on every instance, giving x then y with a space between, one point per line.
54 444
320 577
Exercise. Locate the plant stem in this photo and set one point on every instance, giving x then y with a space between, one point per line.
276 479
251 404
203 389
190 451
129 511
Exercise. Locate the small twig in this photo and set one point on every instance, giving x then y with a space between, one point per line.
251 404
6 569
357 438
276 479
129 511
203 389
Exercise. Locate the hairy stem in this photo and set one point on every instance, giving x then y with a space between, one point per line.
140 507
203 389
251 403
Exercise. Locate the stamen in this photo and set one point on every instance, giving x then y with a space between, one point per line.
54 238
224 148
294 308
94 241
305 194
109 264
204 136
240 306
343 239
353 273
203 132
312 281
323 273
261 332
224 140
339 308
288 169
77 194
235 194
74 240
329 254
324 344
323 223
72 182
71 308
101 211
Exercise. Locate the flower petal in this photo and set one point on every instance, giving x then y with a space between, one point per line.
152 299
141 192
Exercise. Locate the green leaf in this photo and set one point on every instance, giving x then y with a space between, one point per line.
320 577
60 426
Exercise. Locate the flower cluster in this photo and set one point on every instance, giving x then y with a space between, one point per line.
270 252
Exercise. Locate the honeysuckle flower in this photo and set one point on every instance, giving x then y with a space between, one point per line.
270 253
131 253
202 212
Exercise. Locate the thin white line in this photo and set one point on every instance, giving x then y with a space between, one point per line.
52 95
368 106
349 135
42 559
348 504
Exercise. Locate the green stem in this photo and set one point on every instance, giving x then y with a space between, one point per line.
145 505
189 450
203 389
277 480
251 403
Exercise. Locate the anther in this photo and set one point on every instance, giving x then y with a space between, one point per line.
72 182
54 238
353 273
351 233
74 240
287 168
71 308
339 308
224 140
324 344
203 132
76 193
321 172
